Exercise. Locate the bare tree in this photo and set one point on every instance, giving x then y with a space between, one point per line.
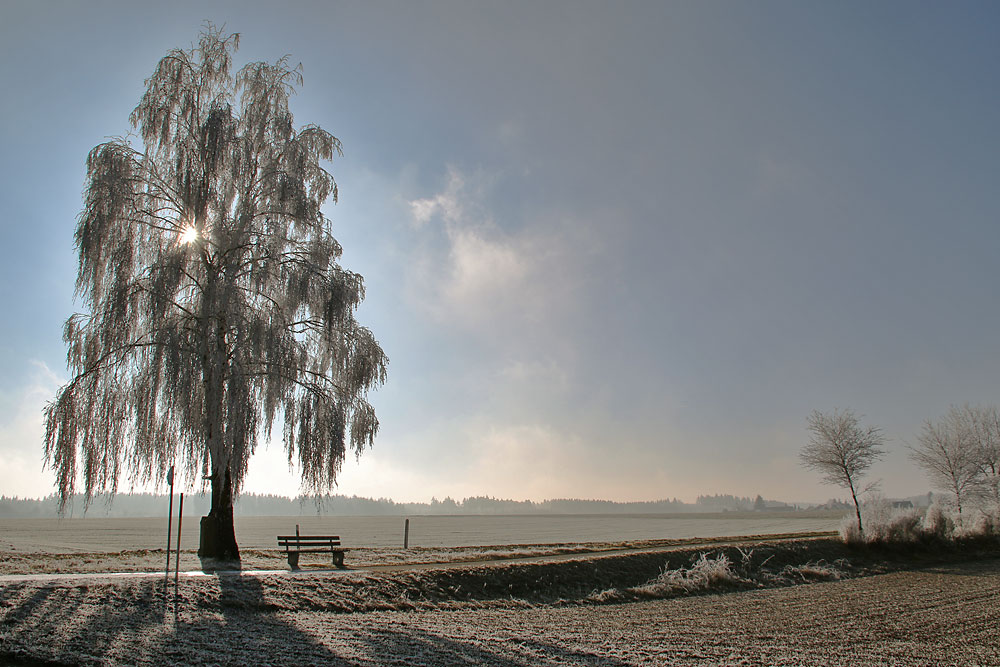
950 452
216 302
984 426
842 450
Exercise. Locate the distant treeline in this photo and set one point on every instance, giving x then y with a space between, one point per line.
250 504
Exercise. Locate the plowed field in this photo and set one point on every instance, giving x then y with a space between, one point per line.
941 615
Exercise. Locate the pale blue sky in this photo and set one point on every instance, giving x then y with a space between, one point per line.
614 250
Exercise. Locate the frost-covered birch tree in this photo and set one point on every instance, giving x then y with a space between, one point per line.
951 452
984 425
842 451
216 305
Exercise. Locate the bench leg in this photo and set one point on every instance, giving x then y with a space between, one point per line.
293 559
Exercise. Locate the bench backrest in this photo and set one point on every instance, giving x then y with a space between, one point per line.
308 540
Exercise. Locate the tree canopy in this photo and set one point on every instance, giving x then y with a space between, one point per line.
216 305
961 453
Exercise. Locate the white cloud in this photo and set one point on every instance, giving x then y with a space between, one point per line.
451 204
423 210
480 274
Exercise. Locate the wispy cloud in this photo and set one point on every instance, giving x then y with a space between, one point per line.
483 272
459 204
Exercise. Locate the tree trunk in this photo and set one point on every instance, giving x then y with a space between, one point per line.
857 509
218 530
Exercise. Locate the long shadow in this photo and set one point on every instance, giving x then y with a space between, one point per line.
13 608
18 604
232 624
59 623
67 625
246 630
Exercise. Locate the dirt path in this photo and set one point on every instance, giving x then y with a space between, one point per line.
943 615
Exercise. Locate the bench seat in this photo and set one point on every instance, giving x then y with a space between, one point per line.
311 544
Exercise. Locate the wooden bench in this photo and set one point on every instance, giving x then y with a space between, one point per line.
311 544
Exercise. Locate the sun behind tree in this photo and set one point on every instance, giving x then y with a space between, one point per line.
216 302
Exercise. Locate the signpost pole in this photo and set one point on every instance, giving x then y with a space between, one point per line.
177 553
170 518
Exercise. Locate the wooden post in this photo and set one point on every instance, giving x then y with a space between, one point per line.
170 518
406 534
177 558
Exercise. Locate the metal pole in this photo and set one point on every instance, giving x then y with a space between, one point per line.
177 559
406 535
170 518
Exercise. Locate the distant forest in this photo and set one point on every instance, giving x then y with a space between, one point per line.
249 504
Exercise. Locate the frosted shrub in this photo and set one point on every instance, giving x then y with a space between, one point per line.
994 521
876 514
899 527
984 524
884 524
937 522
849 530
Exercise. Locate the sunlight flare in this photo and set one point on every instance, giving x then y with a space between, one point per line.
189 234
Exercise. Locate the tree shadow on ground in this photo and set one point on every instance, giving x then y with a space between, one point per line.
135 623
77 623
233 623
243 630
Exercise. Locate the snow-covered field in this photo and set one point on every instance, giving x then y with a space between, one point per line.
96 534
138 544
539 613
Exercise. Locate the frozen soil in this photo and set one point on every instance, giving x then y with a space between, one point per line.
739 605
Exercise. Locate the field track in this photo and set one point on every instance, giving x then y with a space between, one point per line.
53 568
